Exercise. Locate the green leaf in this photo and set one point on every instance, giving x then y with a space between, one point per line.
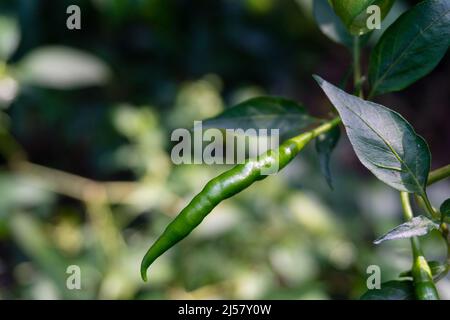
264 113
354 13
383 140
411 47
332 26
417 226
325 144
9 36
391 290
438 270
445 208
61 67
398 8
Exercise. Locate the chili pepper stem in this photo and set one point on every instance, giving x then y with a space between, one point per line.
327 126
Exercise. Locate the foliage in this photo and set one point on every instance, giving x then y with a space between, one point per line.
86 177
383 140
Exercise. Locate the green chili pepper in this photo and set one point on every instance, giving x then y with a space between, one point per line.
225 186
423 279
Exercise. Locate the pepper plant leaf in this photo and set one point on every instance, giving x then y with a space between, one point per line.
325 144
383 140
330 24
391 290
445 208
288 116
356 13
411 47
418 226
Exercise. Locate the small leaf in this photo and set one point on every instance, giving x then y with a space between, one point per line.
438 270
391 290
63 68
418 226
445 208
325 144
411 47
9 36
383 140
287 116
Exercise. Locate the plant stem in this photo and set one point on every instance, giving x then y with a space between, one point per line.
406 205
428 206
438 174
357 66
423 279
308 136
327 126
434 176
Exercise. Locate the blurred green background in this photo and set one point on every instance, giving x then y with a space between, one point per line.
86 177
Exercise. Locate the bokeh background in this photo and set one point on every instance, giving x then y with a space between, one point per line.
85 170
